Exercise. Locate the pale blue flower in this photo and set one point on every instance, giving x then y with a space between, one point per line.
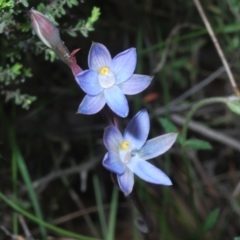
108 80
127 153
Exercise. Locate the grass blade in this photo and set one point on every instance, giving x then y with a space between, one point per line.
101 214
27 180
112 215
55 229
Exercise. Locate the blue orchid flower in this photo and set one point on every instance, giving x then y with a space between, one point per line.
127 154
108 80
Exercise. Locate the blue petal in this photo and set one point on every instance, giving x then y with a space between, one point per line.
116 100
136 84
148 172
137 129
112 138
123 65
92 104
157 146
126 181
88 81
112 162
98 57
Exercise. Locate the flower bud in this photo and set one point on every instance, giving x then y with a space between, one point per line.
49 35
45 29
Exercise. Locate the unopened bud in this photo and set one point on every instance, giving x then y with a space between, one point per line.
45 29
49 35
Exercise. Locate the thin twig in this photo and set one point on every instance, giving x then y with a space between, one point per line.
217 46
25 228
81 213
80 205
190 92
207 132
13 237
57 174
206 180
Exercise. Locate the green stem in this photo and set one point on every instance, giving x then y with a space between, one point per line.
166 197
55 229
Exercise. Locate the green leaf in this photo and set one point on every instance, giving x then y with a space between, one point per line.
179 78
16 68
95 15
69 4
6 4
84 32
50 55
237 238
168 125
74 2
2 25
63 12
211 220
234 107
24 3
71 33
197 144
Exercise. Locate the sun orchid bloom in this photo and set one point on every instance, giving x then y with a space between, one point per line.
108 80
127 153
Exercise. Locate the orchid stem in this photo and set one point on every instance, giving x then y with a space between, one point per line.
144 224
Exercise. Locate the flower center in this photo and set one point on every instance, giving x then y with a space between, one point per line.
104 71
125 145
125 151
106 77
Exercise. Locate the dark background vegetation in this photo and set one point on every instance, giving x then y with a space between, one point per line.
51 137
